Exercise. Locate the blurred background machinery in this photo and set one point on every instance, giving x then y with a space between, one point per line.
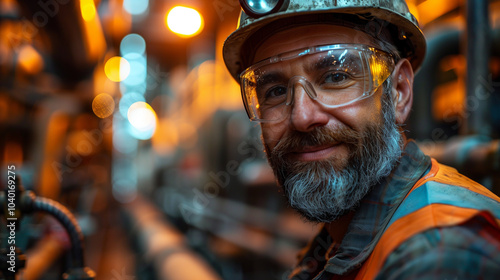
122 111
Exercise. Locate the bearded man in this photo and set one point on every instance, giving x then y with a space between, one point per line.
330 83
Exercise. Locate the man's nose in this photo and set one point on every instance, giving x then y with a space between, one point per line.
306 113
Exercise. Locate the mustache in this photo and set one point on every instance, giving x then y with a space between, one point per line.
296 140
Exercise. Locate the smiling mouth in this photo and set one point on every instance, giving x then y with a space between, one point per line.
316 153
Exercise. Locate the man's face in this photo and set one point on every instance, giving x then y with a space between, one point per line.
326 159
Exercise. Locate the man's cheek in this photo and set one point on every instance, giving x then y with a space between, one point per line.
268 143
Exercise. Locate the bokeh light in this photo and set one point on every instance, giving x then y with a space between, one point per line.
136 7
124 188
103 105
87 8
30 60
142 116
122 141
138 70
127 100
117 69
140 134
142 119
133 43
184 21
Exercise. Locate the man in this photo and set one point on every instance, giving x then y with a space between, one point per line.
331 84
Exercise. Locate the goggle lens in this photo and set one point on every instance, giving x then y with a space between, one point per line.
334 75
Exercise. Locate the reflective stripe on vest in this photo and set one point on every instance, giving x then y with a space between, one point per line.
437 199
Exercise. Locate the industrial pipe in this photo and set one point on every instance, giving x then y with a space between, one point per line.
477 44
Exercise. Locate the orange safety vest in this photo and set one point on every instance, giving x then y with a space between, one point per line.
430 205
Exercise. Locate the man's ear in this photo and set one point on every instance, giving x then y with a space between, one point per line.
402 90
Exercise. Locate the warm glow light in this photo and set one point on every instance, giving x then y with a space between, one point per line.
142 117
431 9
117 69
30 60
184 21
449 99
166 138
95 43
413 9
103 105
188 135
88 10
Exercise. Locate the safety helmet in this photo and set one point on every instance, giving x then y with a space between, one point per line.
388 20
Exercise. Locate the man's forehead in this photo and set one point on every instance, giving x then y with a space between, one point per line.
310 35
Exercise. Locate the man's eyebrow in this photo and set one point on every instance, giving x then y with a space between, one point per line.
328 61
269 77
334 59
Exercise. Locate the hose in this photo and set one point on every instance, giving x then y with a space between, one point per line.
29 203
68 221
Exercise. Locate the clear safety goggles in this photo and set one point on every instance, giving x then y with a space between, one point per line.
332 75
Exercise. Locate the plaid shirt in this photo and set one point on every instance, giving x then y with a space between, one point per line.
470 250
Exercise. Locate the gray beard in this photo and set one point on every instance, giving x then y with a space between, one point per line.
323 191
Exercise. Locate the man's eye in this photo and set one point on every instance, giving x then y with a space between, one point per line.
336 78
277 91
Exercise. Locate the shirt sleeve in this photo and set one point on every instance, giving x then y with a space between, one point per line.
466 251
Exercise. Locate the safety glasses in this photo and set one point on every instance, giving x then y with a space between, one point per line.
332 75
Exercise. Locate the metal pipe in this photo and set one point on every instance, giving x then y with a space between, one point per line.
422 123
477 42
164 246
